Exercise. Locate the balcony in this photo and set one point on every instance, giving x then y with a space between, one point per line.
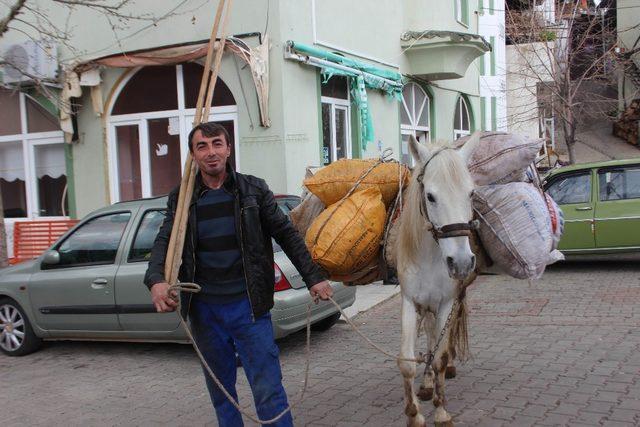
441 55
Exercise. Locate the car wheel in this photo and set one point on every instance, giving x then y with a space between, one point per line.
16 334
326 323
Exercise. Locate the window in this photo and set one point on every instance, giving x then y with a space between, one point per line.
95 242
148 129
336 114
33 176
571 189
146 235
462 12
461 119
415 118
619 184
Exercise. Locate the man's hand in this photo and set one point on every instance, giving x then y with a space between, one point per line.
321 290
163 302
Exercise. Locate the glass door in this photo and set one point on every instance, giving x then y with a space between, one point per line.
127 180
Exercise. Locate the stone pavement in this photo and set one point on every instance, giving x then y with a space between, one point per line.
564 350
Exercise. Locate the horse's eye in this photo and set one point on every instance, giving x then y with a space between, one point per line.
431 198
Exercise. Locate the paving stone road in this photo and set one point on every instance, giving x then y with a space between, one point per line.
564 350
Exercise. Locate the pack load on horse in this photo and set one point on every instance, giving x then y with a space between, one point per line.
466 208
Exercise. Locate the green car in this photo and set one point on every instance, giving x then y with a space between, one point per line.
601 206
89 286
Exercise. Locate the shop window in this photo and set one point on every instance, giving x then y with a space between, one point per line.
192 75
32 159
12 180
39 119
51 178
9 112
138 96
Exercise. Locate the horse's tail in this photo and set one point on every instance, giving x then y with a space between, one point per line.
459 332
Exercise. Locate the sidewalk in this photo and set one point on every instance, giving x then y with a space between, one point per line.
598 144
368 296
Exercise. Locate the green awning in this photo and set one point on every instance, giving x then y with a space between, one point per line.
362 76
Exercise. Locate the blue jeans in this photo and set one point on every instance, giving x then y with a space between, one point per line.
220 331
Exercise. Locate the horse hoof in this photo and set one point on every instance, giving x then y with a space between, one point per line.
450 372
417 421
425 393
411 410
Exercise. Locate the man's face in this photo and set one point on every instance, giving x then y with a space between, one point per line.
210 153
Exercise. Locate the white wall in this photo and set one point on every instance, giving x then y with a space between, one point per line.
492 24
527 64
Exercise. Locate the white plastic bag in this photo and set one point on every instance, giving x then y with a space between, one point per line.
516 228
501 157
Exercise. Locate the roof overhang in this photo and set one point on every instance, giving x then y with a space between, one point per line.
441 55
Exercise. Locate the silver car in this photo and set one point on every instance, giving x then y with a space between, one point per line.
89 286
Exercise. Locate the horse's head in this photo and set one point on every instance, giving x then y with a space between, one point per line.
444 187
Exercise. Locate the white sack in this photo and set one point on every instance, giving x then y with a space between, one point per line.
501 157
516 228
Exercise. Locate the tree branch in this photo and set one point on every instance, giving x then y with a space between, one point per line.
13 12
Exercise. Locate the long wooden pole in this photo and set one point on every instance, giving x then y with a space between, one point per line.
178 232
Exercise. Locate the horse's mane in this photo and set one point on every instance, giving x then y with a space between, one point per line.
450 171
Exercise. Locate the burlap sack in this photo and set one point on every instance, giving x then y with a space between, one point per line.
303 215
501 157
516 229
334 181
345 237
369 274
390 251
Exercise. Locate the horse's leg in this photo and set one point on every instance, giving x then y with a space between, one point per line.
426 389
408 368
440 361
450 371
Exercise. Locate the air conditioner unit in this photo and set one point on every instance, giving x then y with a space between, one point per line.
30 60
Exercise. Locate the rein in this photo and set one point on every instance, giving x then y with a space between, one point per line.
456 229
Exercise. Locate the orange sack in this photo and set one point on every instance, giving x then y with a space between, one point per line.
346 236
333 182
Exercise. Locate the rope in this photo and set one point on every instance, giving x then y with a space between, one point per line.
420 359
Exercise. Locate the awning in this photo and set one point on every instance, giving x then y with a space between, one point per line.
363 76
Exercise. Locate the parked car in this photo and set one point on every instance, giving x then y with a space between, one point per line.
601 206
89 286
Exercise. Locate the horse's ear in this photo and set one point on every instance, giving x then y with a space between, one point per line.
466 151
418 151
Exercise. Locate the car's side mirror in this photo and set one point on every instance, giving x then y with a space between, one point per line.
51 257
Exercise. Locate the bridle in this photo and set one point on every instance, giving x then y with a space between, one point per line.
447 231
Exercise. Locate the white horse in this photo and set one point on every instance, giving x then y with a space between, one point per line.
434 259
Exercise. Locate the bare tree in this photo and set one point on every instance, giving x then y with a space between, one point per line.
570 66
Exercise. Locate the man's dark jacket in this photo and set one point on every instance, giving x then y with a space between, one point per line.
258 218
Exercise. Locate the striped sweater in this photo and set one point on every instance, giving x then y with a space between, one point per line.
219 267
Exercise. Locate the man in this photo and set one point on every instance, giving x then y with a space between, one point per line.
228 252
